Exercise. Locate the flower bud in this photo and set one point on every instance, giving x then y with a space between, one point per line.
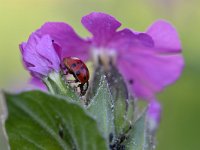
154 115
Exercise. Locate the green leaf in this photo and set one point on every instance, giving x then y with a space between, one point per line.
137 136
101 108
38 120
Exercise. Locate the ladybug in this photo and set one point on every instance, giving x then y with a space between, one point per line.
79 70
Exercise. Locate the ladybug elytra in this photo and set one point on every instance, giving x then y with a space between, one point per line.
79 70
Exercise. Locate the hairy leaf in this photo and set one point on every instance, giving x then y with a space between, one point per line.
41 121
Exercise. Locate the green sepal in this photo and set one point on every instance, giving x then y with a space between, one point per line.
139 137
101 107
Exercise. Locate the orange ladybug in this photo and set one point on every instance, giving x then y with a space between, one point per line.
79 70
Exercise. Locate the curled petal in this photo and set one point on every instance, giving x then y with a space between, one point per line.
21 47
165 36
63 34
39 55
58 50
101 25
30 56
46 49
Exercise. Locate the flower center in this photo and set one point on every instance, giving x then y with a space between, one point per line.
104 56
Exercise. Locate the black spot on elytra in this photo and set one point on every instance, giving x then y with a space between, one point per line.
85 78
82 68
78 73
73 65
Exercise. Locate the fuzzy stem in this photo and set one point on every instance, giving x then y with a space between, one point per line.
56 85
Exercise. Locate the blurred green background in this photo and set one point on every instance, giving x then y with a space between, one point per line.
179 129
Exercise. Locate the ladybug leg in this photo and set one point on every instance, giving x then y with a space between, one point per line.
83 91
87 85
64 73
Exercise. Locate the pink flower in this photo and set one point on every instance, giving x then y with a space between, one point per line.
148 61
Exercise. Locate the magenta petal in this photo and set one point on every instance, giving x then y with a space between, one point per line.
39 70
38 84
154 63
149 71
30 55
145 40
134 81
154 110
154 114
125 39
58 50
21 47
121 40
101 25
39 56
45 48
165 36
63 35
